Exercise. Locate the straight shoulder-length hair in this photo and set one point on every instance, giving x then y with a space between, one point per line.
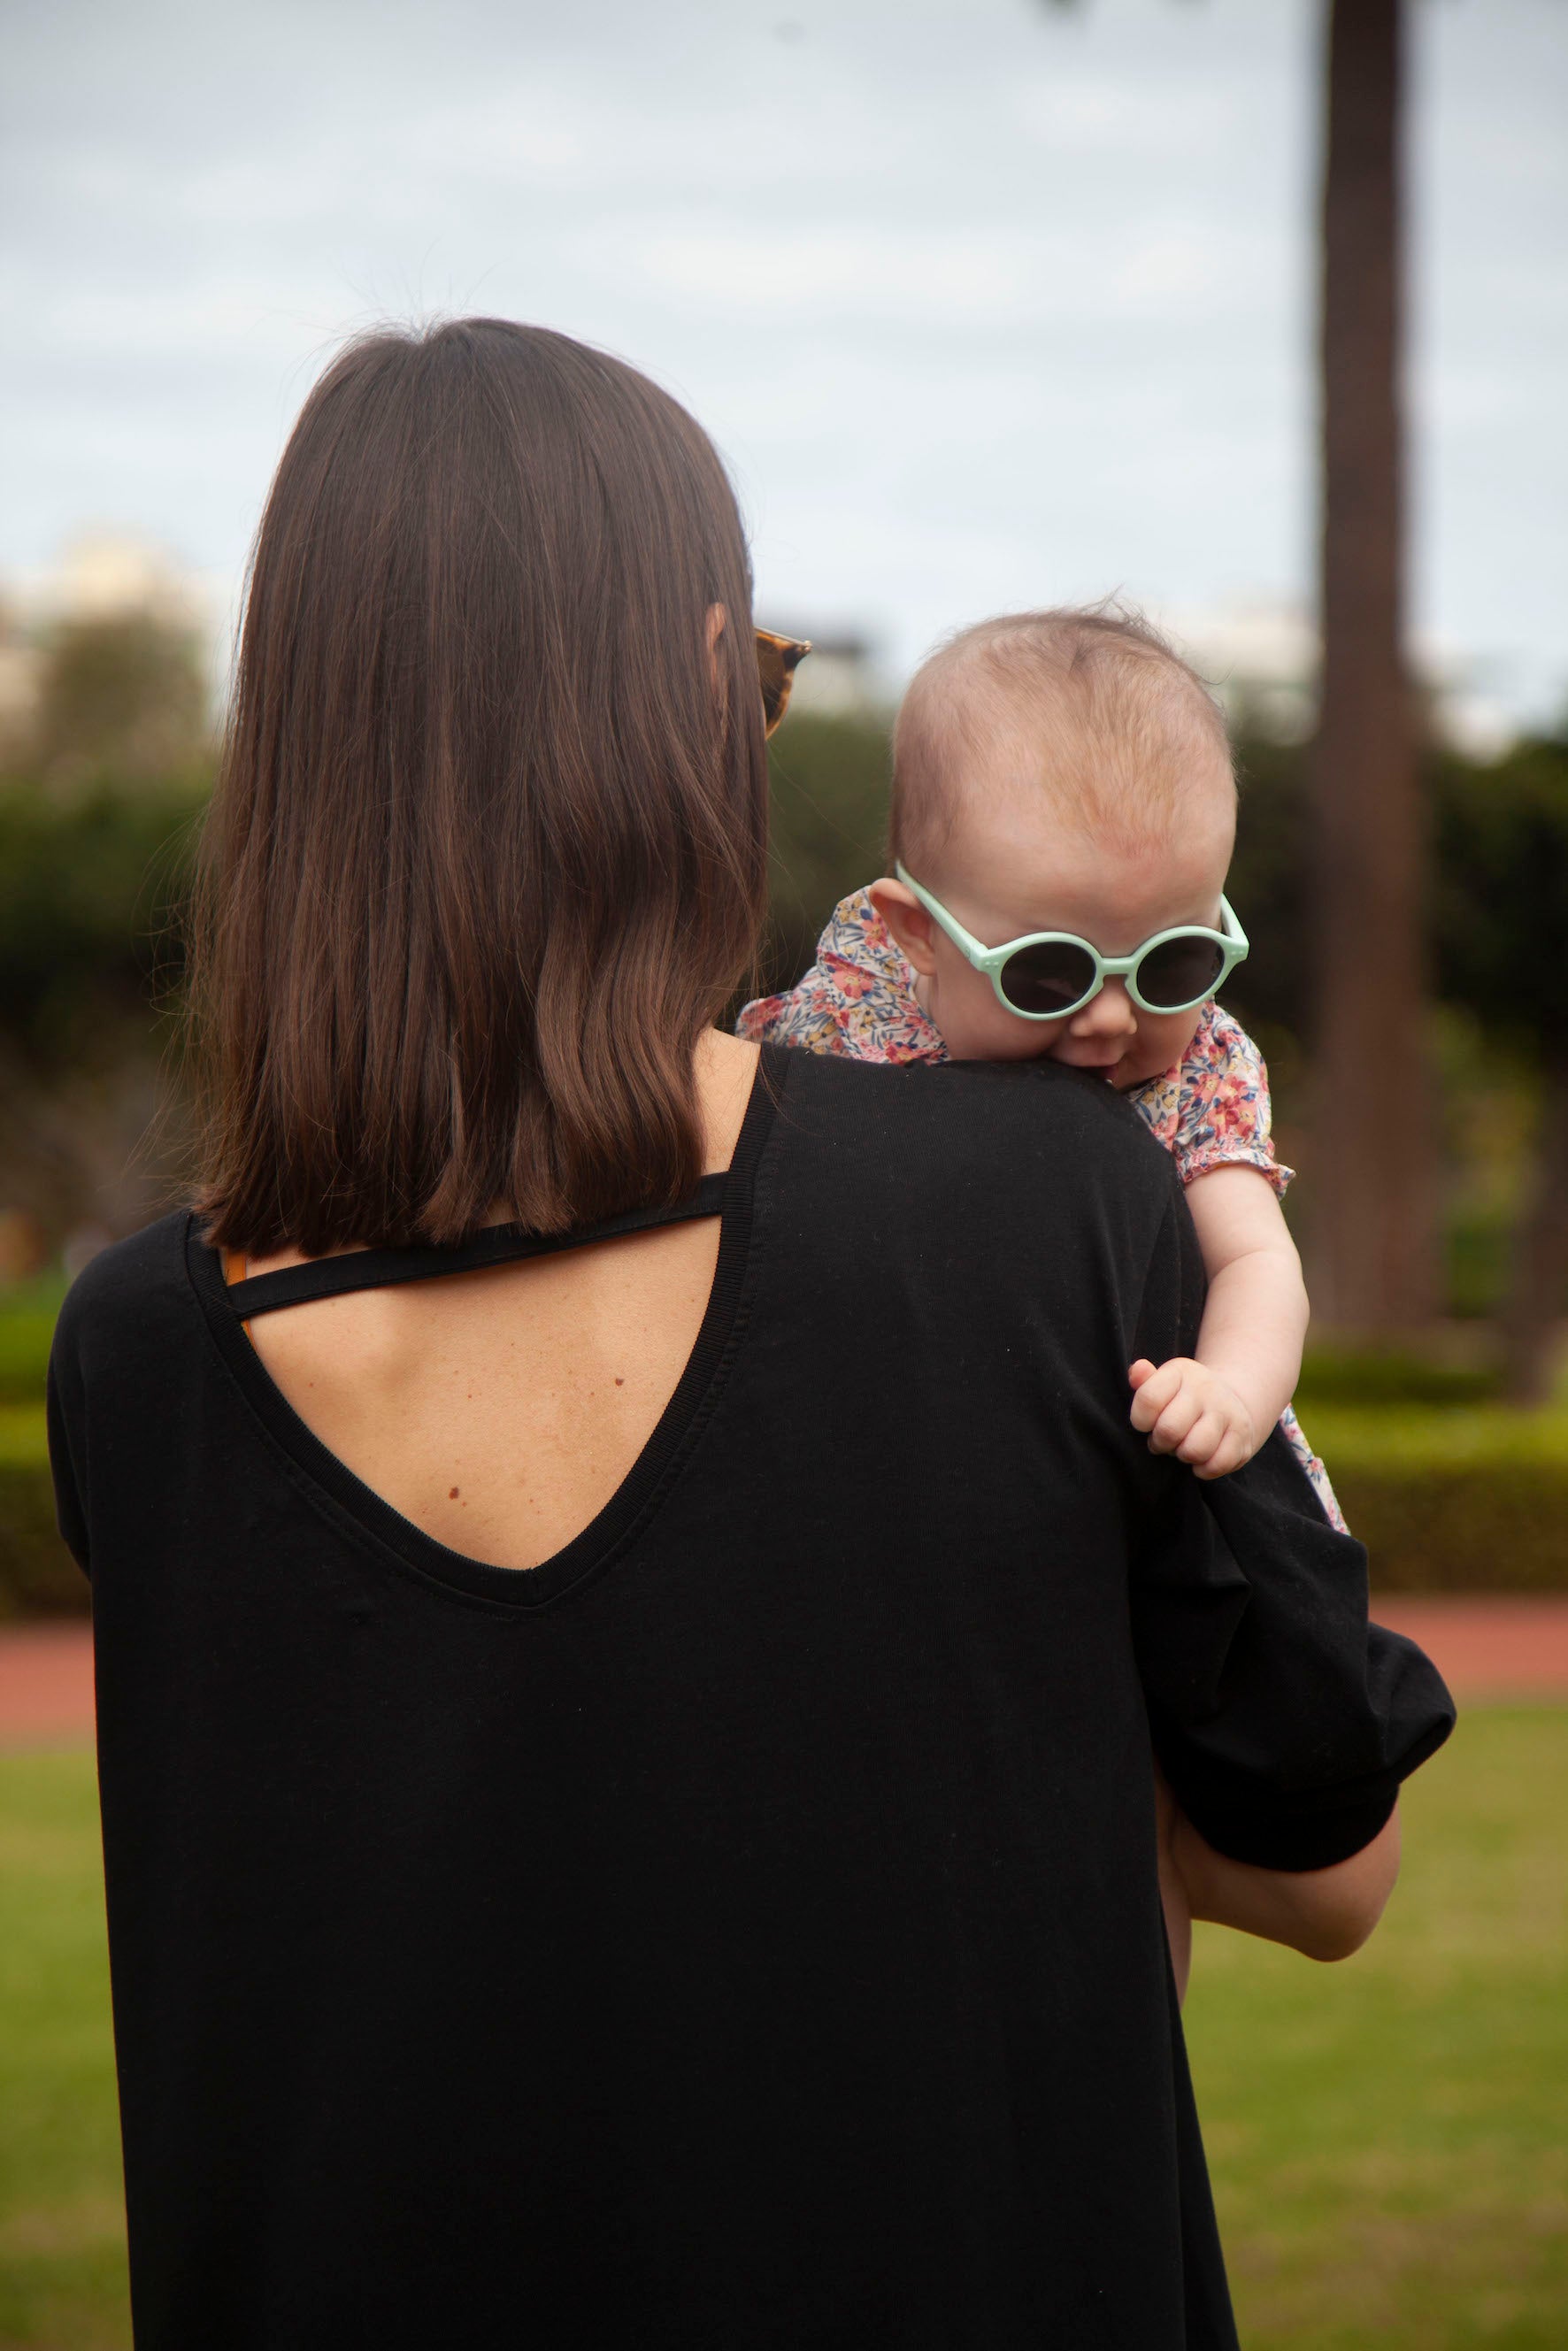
488 848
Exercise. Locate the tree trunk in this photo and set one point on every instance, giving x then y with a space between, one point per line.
1374 1232
1538 1292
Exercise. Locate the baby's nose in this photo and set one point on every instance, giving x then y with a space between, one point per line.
1109 1014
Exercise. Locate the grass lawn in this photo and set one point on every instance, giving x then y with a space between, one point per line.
62 2228
1387 2138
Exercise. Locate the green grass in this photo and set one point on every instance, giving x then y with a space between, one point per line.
1386 2136
62 2237
23 1435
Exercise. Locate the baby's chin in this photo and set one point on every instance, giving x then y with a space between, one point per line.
1138 1069
1126 1073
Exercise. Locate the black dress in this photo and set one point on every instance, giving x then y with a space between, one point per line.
742 1929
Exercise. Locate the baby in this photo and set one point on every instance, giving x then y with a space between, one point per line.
1063 815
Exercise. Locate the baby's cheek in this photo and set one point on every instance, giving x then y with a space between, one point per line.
976 1027
985 1040
1008 1038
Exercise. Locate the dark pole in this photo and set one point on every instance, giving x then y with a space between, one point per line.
1374 1227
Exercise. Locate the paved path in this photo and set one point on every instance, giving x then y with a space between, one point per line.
1502 1648
46 1684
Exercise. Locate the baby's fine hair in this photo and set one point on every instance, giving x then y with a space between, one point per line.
1101 712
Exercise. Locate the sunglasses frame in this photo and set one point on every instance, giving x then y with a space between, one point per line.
778 658
1232 942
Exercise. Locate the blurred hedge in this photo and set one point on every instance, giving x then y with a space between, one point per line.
88 934
38 1577
1459 1501
829 830
27 1312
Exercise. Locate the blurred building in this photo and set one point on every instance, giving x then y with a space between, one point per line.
1262 659
842 677
99 577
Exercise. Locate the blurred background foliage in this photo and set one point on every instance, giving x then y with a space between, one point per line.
122 696
100 799
1450 1452
99 816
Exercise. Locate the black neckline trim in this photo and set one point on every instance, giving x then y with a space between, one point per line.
335 1276
639 1491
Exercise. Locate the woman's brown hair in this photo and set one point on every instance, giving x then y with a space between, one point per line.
488 848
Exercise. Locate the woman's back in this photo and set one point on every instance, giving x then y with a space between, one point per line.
500 1410
744 1926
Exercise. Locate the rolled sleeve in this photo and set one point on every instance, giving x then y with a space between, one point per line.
1284 1720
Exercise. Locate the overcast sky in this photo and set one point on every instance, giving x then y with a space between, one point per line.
987 302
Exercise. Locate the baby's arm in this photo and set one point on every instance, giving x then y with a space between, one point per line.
1215 1410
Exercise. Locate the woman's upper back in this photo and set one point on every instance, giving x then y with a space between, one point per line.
500 1410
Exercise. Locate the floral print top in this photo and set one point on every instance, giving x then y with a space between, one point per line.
1210 1109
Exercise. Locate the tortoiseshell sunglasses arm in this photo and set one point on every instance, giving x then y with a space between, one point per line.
777 658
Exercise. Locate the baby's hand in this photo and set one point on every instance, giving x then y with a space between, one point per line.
1186 1409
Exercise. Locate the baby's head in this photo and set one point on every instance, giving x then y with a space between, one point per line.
1058 771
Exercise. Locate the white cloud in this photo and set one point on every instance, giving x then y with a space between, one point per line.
1082 115
982 301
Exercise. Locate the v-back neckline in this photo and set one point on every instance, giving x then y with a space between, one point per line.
343 1495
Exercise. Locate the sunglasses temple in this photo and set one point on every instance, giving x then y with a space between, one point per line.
778 658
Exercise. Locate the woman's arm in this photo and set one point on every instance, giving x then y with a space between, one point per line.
1214 1409
1175 1900
1326 1914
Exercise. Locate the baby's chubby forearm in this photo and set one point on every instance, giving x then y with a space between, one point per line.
1253 1327
1215 1409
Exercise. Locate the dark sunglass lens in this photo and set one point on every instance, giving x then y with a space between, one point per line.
1049 977
1181 972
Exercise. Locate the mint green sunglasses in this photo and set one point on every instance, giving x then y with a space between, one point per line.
1047 975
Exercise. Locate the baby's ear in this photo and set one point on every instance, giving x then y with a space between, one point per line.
907 919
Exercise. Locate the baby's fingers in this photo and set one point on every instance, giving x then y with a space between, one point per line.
1229 1454
1177 1423
1155 1390
1201 1445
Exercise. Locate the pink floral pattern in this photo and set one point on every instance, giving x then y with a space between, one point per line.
858 998
1210 1110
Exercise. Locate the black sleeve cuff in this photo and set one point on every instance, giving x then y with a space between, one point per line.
1312 1841
1284 1722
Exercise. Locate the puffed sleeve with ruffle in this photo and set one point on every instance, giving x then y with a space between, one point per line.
1213 1109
